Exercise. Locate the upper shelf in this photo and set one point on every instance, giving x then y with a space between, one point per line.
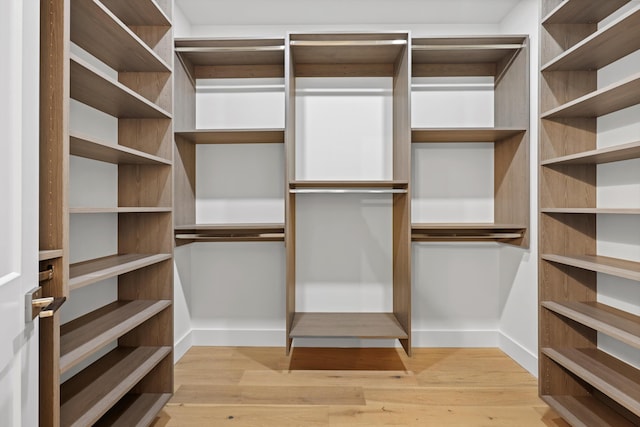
97 30
89 148
595 157
94 88
396 186
233 136
139 12
463 135
464 50
594 211
214 51
231 232
582 12
614 97
466 232
602 264
603 47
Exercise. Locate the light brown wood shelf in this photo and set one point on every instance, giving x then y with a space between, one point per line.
582 12
87 334
346 185
46 255
464 50
612 266
97 30
616 379
231 232
234 136
87 272
586 411
603 47
94 88
466 232
615 153
87 396
138 13
616 323
463 134
357 325
231 52
614 97
95 210
594 211
90 148
137 410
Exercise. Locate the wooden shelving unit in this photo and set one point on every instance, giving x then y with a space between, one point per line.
506 59
234 136
357 325
585 385
230 233
132 382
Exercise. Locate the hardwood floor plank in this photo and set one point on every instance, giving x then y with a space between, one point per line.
458 396
324 378
238 416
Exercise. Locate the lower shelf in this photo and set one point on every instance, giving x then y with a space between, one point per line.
89 395
466 232
586 411
343 325
136 410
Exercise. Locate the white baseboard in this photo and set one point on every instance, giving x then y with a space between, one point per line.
455 338
182 346
238 337
519 354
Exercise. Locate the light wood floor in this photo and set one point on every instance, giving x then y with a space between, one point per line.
218 386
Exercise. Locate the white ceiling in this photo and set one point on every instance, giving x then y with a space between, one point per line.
313 12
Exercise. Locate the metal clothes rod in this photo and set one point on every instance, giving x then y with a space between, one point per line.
216 49
466 46
339 43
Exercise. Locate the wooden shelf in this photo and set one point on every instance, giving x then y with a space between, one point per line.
89 148
94 88
231 232
397 186
466 232
584 411
138 13
47 255
119 210
86 397
614 97
358 325
615 153
87 272
603 47
464 50
595 211
234 136
98 31
87 334
463 135
582 12
135 410
616 323
232 52
612 266
616 379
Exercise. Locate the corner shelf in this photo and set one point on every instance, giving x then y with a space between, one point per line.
616 379
594 211
599 156
580 11
94 88
138 13
463 134
231 232
92 271
335 325
86 397
87 334
466 232
233 136
135 410
97 30
603 47
90 148
612 266
616 323
583 410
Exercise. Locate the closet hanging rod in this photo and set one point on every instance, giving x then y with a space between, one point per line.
216 49
348 190
345 43
467 46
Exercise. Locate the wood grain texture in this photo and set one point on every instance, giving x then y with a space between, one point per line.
145 185
602 264
290 198
603 211
557 38
586 411
463 134
233 136
153 136
89 148
344 70
136 410
568 186
397 184
49 371
184 182
434 387
145 233
92 271
253 71
553 133
159 38
156 87
464 50
145 12
599 156
579 11
452 70
361 325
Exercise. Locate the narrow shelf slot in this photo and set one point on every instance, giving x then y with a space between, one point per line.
87 334
231 52
348 187
464 50
336 49
616 323
49 254
135 410
612 266
234 136
89 148
354 325
139 12
595 211
614 97
618 380
616 153
95 89
97 30
603 47
87 396
582 12
584 411
231 232
134 209
463 135
87 272
466 232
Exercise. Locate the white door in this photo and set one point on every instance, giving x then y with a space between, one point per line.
19 44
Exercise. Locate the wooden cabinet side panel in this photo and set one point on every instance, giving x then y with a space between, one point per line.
144 185
145 233
153 136
184 181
